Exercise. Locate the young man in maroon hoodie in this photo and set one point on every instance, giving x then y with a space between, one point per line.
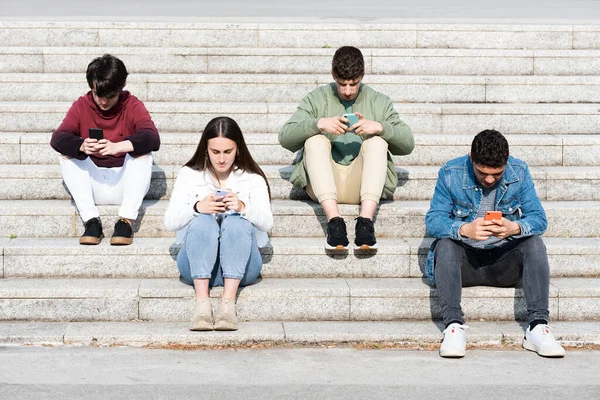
115 167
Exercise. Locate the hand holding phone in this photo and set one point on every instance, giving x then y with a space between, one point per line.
352 119
220 193
96 133
492 215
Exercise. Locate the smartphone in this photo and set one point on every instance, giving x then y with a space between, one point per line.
352 118
491 215
96 133
221 193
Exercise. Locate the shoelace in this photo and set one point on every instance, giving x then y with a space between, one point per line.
338 228
461 327
364 226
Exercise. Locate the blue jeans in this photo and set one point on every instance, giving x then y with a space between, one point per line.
458 265
220 250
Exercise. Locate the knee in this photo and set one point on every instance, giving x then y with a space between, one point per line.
203 223
234 224
375 144
533 244
446 248
317 143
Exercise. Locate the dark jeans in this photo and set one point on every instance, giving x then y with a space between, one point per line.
458 265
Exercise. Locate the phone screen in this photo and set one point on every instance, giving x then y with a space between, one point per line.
353 118
96 133
221 193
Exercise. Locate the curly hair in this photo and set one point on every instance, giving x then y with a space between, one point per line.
489 148
348 64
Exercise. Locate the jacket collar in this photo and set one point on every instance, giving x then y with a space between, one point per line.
470 182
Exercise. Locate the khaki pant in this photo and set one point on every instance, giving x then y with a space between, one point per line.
362 180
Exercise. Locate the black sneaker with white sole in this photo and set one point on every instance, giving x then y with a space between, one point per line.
365 234
337 237
93 232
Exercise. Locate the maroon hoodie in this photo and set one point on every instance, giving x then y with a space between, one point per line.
127 120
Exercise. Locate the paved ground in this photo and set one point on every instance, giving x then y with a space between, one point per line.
93 373
538 11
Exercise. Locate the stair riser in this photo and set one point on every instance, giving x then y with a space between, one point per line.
274 154
275 266
390 224
299 36
281 188
289 309
432 123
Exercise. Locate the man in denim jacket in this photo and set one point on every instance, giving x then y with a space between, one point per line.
471 251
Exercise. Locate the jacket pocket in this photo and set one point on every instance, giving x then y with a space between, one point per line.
510 208
461 210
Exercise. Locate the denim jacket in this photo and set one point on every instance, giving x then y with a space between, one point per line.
457 198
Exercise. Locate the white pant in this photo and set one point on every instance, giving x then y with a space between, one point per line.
90 185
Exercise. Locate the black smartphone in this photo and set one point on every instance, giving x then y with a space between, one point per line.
96 133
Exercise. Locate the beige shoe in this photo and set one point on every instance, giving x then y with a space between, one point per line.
226 318
202 320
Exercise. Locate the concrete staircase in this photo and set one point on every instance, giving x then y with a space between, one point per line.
537 84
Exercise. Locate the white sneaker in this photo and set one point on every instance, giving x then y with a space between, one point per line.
455 341
541 340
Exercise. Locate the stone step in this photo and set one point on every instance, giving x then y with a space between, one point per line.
298 35
273 88
310 299
269 117
403 334
39 182
224 60
430 149
282 258
292 218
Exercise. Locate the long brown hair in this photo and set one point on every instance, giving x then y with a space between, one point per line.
227 128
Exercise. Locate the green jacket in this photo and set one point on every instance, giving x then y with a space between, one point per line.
323 103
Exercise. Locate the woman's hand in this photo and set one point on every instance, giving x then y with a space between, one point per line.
233 202
210 205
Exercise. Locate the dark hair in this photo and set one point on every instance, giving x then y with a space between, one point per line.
227 128
490 149
348 64
109 73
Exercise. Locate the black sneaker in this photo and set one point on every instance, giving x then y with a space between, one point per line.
93 232
365 234
123 234
337 238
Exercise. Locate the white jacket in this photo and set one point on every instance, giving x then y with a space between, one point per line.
192 186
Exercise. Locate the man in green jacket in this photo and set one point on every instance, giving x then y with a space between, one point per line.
347 132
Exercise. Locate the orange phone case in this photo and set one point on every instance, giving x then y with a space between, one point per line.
491 215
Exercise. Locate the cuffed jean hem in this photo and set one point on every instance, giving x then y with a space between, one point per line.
229 276
200 277
537 316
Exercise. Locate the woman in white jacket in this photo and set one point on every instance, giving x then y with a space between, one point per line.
220 232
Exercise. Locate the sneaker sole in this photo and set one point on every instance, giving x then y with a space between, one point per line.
225 326
452 355
202 326
90 240
339 247
527 345
363 247
121 241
